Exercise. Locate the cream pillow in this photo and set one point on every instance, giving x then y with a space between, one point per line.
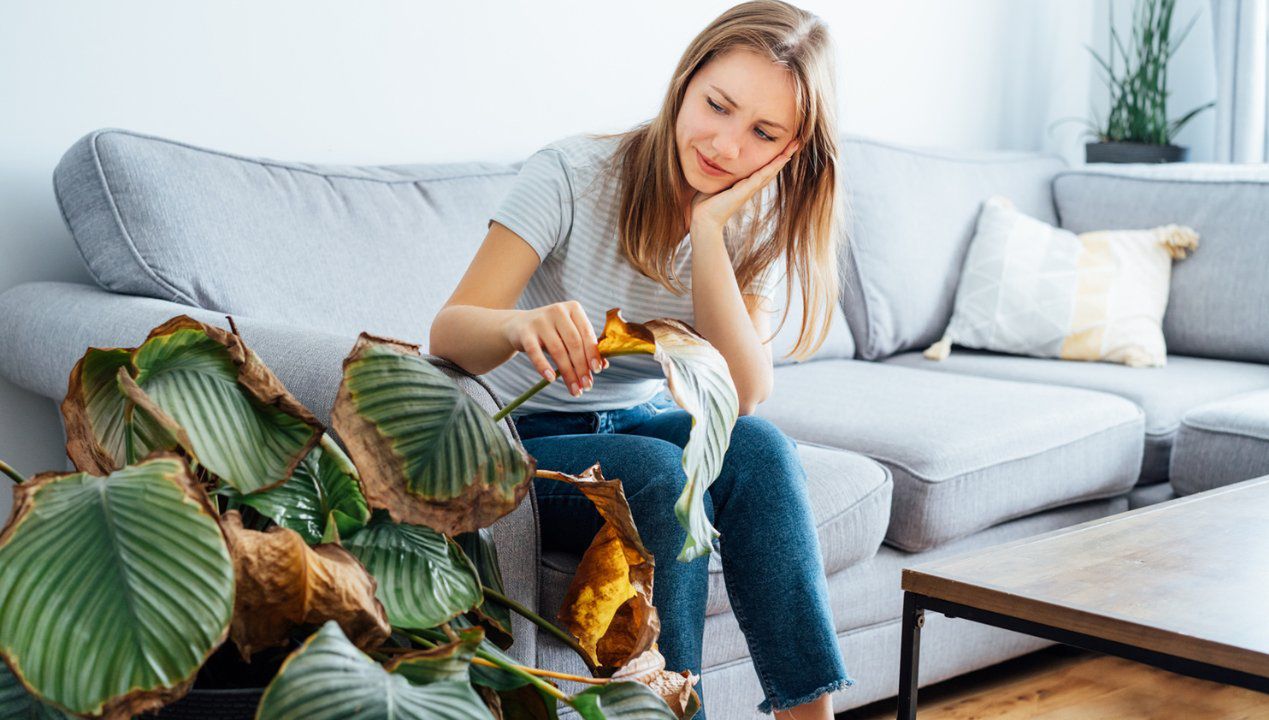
1029 288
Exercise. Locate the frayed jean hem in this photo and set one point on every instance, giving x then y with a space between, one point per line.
768 706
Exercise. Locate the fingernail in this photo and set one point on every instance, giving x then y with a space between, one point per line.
549 375
595 366
575 391
588 383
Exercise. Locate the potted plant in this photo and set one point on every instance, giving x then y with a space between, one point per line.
1136 128
210 505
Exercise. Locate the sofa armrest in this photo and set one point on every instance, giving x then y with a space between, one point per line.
45 328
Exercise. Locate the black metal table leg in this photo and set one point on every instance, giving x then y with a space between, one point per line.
910 655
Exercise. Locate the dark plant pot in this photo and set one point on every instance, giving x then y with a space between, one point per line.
227 688
1131 152
213 705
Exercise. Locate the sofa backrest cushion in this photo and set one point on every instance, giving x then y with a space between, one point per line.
339 248
910 216
1218 295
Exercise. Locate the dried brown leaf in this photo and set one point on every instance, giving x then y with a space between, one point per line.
283 583
83 446
608 605
675 688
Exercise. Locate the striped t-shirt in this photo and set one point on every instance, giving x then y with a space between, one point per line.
564 204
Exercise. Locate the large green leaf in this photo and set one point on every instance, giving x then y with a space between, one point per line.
329 679
323 488
621 701
242 424
115 589
492 615
102 424
424 578
427 452
17 703
191 386
701 384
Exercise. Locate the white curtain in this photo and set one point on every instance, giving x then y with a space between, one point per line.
1240 33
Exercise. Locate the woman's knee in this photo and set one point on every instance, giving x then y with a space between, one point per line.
758 440
657 471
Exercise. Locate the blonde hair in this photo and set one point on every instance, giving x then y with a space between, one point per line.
801 219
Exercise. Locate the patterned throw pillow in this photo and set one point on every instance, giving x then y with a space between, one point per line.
1029 288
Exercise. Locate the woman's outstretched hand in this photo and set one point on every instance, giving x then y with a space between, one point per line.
562 331
715 210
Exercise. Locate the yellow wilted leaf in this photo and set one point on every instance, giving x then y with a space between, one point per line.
282 583
623 338
608 606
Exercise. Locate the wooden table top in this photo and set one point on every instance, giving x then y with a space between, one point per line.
1188 577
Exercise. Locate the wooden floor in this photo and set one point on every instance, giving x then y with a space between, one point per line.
1062 683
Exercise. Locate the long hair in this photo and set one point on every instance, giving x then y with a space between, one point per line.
799 222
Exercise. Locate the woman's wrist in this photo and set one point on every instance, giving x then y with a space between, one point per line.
705 231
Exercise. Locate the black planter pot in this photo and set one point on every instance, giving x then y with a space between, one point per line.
213 705
1130 152
227 688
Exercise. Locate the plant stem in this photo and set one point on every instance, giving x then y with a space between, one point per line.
534 680
449 632
549 673
510 667
520 400
542 623
544 382
13 474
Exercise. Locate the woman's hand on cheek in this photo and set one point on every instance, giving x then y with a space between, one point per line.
716 209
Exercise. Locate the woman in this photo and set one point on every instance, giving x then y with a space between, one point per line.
670 220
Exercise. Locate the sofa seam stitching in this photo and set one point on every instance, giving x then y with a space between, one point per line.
887 482
127 236
1056 504
1250 435
61 209
933 481
1160 180
265 162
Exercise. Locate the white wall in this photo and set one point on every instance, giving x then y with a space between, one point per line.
394 81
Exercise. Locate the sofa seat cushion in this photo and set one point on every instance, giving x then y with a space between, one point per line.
1222 442
850 500
1165 393
966 452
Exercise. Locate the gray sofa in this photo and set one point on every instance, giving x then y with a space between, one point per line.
908 459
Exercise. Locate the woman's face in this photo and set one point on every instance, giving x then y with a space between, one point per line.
739 112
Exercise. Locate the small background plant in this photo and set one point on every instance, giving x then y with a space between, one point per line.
1139 89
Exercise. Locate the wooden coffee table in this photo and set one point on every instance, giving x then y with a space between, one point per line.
1182 585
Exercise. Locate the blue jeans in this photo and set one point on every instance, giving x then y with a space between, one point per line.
771 557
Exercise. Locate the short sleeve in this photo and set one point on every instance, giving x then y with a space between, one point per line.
539 206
